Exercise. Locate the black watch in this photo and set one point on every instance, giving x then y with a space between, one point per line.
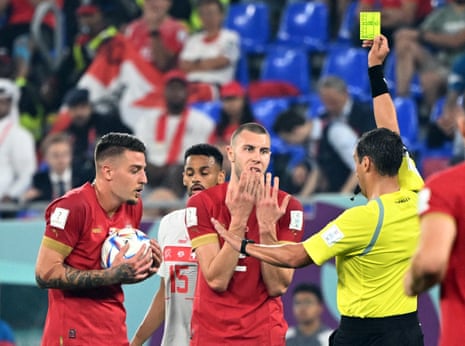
244 243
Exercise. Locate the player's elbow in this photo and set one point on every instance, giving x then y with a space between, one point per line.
431 270
277 290
41 283
219 286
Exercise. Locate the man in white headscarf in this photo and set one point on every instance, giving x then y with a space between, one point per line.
17 150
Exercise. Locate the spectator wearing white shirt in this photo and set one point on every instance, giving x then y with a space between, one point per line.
168 133
210 56
17 150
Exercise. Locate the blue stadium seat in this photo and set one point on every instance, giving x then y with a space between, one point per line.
251 22
407 117
349 64
288 65
266 110
344 35
211 108
304 24
242 70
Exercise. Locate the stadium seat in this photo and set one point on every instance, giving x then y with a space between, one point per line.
304 24
242 70
211 108
251 22
349 64
288 65
344 35
407 117
266 110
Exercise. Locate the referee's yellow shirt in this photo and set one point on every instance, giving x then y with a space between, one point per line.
373 245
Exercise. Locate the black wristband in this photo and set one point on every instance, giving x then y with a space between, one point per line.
244 243
377 81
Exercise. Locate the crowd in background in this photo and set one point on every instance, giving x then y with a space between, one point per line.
176 73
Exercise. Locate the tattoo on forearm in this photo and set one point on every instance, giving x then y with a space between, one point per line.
78 279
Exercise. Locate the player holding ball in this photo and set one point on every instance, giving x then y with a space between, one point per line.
86 301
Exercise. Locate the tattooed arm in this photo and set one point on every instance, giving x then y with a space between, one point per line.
52 272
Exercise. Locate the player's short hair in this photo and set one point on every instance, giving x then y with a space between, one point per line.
308 288
384 147
205 149
115 143
251 127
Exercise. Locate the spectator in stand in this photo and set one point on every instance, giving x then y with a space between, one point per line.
60 174
235 111
158 37
169 132
344 121
297 169
444 128
308 307
338 104
17 151
95 31
395 14
430 50
85 123
209 57
15 34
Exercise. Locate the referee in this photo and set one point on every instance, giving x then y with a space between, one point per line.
373 243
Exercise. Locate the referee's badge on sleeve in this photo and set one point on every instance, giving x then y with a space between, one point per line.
297 220
332 235
191 217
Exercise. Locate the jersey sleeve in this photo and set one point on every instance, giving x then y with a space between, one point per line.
64 220
291 224
199 226
435 197
349 234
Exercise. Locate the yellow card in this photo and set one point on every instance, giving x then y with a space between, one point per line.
370 25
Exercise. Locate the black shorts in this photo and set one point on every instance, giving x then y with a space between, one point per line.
400 330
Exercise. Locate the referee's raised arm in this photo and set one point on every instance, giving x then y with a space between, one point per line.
383 106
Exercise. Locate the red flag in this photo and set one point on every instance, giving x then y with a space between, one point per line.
119 72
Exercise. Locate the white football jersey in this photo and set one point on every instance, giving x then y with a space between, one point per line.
179 270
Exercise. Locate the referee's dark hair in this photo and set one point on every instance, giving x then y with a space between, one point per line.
384 147
308 288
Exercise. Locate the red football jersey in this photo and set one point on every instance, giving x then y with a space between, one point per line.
446 195
244 314
76 226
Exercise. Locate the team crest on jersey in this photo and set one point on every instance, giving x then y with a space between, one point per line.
297 220
332 235
191 217
59 217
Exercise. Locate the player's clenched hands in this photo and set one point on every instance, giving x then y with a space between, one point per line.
135 269
241 196
267 207
379 50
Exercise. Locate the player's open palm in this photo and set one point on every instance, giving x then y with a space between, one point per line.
241 195
268 209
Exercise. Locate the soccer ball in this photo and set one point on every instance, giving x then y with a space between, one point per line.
117 239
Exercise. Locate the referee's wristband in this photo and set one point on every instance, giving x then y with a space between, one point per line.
377 82
244 243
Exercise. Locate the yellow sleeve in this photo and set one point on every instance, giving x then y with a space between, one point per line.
349 234
409 177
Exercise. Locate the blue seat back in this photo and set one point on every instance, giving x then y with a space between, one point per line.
288 65
305 24
349 64
251 22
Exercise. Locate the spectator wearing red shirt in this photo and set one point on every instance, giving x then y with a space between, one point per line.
158 37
